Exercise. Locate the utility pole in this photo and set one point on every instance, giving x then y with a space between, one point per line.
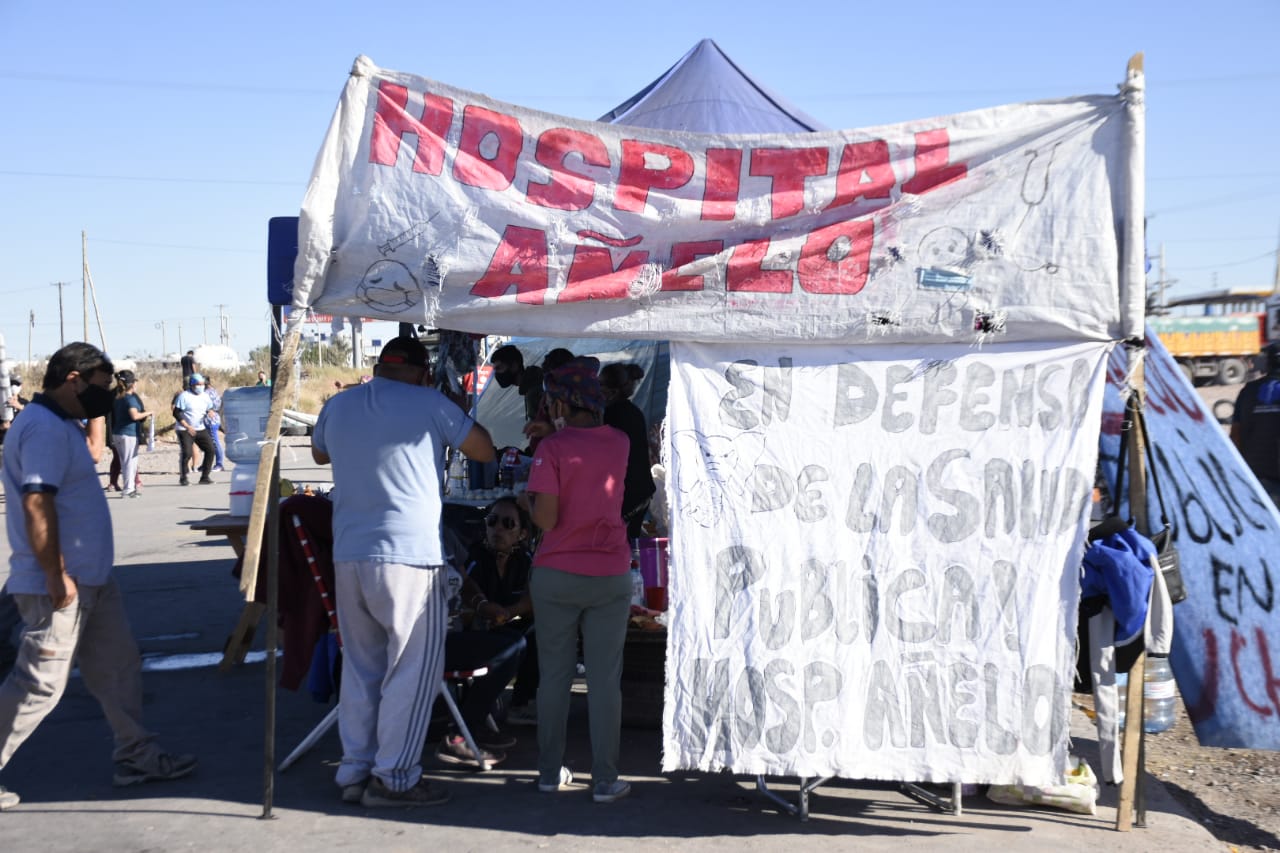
62 329
204 330
84 282
224 335
1164 282
31 325
164 343
179 337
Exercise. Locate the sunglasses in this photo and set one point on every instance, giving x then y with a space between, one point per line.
507 522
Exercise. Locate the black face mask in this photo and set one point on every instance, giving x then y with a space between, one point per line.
96 400
504 378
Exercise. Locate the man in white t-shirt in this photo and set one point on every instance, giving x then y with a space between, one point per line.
387 440
60 536
189 410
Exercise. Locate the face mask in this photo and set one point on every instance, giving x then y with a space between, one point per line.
95 400
558 423
197 389
504 379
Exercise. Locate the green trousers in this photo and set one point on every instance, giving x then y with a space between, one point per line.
565 603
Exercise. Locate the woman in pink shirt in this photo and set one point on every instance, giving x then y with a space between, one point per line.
580 575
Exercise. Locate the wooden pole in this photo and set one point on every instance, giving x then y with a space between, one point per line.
280 390
1132 278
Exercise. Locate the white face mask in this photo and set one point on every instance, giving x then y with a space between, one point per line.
558 423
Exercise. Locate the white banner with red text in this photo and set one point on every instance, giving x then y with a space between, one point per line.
431 204
875 558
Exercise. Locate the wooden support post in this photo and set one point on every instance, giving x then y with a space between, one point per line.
1131 752
1131 739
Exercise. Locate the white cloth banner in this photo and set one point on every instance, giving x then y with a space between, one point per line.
435 205
875 558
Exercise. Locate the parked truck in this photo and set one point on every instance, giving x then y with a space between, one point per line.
1220 343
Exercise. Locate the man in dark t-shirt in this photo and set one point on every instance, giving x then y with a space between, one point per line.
188 366
1255 426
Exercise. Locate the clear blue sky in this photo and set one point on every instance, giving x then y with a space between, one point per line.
172 132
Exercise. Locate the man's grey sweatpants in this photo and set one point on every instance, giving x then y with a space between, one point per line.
94 633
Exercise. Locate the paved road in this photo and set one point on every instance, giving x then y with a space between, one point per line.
183 601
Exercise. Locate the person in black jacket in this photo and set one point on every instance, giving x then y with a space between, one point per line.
499 566
619 381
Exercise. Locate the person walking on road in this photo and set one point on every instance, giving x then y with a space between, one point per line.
189 410
387 440
60 535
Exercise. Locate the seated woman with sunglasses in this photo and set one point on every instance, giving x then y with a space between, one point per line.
499 565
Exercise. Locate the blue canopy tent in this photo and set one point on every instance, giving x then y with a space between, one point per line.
703 92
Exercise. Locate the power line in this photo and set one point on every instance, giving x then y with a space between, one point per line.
1263 256
1153 82
80 176
179 246
177 86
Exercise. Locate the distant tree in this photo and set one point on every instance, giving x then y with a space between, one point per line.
335 352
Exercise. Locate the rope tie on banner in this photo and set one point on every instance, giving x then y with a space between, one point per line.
1136 351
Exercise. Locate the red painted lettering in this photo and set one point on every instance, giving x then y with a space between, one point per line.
520 260
864 172
1272 683
491 169
836 259
1237 643
391 121
746 270
724 179
636 177
687 253
592 274
933 150
1161 395
1206 704
787 168
566 189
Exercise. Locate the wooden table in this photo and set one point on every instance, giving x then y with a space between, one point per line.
235 528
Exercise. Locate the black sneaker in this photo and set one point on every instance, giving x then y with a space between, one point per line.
160 768
182 481
205 481
425 793
354 792
493 740
8 799
454 750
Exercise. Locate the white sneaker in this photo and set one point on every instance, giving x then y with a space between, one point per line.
565 783
608 792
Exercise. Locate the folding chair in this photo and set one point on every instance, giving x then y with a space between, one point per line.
452 680
456 680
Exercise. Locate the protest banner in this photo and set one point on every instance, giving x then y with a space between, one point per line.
1226 649
876 558
431 204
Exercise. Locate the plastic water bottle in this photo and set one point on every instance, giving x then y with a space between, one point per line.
1160 695
1122 696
